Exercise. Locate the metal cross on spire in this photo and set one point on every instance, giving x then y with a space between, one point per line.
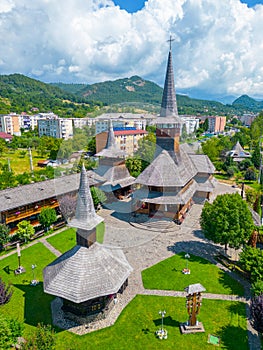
171 40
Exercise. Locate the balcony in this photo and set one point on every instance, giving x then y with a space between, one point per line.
23 214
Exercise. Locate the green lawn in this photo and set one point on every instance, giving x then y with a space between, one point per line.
168 275
100 230
66 239
29 304
136 326
20 164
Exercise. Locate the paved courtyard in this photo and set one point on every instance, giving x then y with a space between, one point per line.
145 243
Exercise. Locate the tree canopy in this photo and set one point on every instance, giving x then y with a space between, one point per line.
227 220
10 330
47 217
25 230
4 235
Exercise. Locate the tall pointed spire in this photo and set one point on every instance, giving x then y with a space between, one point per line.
111 139
111 149
169 104
85 217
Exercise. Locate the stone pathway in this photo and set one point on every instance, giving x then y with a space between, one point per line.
144 248
50 247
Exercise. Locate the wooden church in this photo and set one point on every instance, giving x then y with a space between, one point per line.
177 176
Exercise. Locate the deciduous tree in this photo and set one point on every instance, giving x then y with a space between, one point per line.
134 165
47 217
251 260
25 230
43 339
10 330
4 235
98 196
227 220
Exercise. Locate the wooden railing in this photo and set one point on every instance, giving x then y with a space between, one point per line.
23 214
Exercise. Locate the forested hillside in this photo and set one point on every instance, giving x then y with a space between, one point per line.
138 92
19 93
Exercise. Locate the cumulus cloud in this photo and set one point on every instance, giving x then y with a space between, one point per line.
217 49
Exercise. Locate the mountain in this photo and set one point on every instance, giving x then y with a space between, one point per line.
134 89
248 103
19 93
137 91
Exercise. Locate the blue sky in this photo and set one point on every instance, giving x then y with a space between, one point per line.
217 48
135 5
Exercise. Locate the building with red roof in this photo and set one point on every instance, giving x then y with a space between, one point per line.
126 139
5 136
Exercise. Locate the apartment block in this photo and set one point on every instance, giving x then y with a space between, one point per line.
55 127
11 124
126 139
123 120
216 124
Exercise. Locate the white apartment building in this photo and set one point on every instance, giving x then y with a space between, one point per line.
122 120
11 124
191 123
55 127
81 122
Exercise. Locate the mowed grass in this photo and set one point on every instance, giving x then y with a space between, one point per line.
28 304
18 163
168 275
136 326
66 239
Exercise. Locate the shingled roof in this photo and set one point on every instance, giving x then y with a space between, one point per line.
165 172
169 105
83 274
116 176
27 194
85 217
239 152
202 163
111 149
180 197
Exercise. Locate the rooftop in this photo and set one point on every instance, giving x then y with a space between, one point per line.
22 195
84 273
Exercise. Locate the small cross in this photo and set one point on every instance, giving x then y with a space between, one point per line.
170 40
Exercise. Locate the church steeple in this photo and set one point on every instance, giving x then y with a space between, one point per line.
169 104
168 124
111 143
111 149
86 218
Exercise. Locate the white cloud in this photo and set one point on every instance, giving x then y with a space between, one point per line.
218 46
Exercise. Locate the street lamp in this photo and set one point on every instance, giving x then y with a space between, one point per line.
187 256
20 268
162 313
34 282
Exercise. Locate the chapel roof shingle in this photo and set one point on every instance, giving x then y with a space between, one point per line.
84 273
111 149
85 216
26 194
